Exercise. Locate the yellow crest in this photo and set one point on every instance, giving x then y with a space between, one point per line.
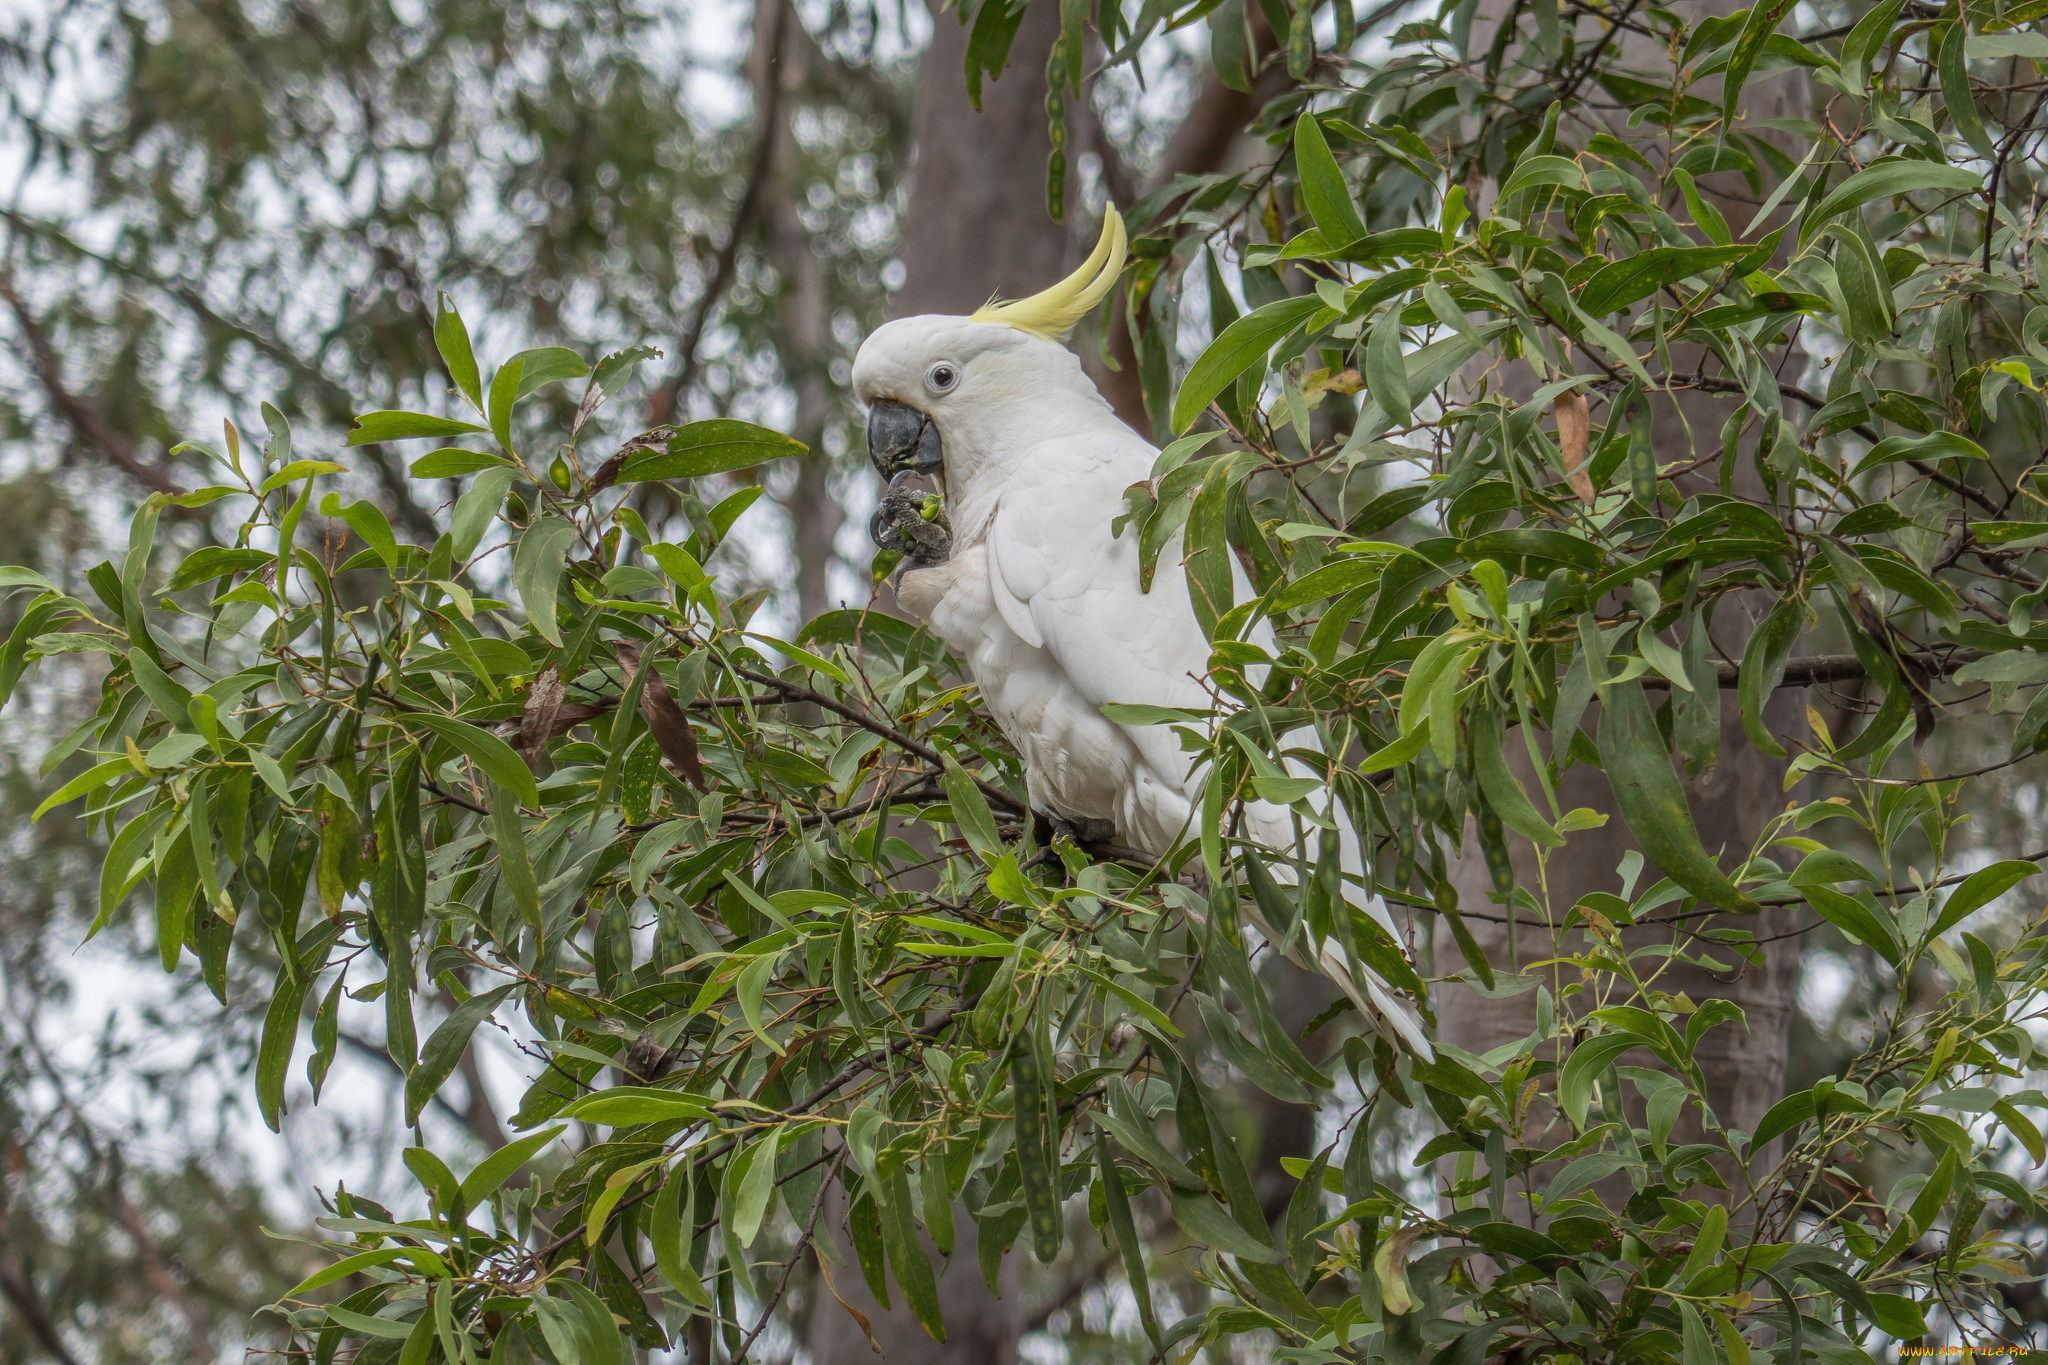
1053 312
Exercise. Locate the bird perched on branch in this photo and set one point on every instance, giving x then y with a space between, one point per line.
1038 594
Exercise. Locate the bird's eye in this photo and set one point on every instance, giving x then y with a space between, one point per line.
941 377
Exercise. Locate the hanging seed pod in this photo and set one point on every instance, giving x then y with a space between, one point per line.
1404 829
1642 459
1056 131
515 509
1347 26
559 475
1493 844
1301 41
1429 785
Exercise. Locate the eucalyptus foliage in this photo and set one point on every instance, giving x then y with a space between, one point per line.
785 953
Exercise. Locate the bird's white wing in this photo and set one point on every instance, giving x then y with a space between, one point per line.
1063 583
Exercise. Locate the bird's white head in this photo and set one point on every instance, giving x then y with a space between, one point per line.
956 396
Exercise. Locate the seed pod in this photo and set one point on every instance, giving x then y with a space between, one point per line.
1347 26
1429 785
515 509
1056 132
1493 844
1035 1164
558 473
1404 828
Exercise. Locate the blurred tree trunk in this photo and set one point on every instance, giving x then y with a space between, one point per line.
805 321
1731 801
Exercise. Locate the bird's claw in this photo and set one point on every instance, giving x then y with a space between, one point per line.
1086 830
910 524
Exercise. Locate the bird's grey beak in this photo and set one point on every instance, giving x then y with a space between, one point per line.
902 440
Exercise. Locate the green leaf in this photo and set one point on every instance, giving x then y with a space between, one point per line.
971 812
487 751
907 1258
756 1189
1543 170
476 509
299 469
1205 1220
1763 668
452 463
1935 445
1037 1156
343 1268
280 1036
1855 919
1386 369
372 427
451 339
623 1106
444 1049
545 365
1884 179
515 862
1243 344
500 1166
1979 889
1587 1064
1323 188
1497 782
1618 284
1763 21
717 446
504 393
537 566
1652 800
1956 96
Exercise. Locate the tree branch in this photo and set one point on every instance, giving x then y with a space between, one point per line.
668 399
83 418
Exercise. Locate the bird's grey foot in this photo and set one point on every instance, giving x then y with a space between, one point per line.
914 525
1087 830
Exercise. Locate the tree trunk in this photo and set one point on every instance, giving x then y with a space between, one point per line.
1744 1064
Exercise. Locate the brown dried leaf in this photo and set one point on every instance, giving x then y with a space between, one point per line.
860 1319
543 701
1574 427
666 719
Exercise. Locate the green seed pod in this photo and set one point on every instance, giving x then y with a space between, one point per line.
1056 133
1404 829
515 509
1429 785
559 475
1493 844
1347 26
1301 41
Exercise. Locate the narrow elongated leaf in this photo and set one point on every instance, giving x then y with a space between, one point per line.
1323 187
372 427
1243 344
451 339
537 567
487 751
1885 179
1980 889
716 446
444 1049
1652 800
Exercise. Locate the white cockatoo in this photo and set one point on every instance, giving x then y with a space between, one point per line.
1038 595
